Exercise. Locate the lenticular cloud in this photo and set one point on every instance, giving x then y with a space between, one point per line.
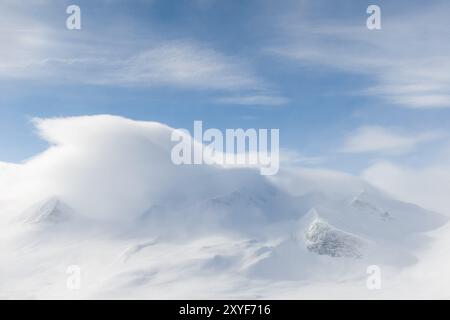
107 167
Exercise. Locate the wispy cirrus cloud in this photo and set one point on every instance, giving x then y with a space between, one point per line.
408 59
255 99
376 139
42 51
187 64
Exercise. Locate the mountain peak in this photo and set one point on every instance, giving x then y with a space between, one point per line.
49 211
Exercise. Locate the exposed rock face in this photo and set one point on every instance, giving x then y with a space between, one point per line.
324 239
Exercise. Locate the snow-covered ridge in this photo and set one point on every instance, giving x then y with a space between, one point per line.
49 211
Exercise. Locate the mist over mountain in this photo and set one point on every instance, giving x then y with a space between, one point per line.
106 197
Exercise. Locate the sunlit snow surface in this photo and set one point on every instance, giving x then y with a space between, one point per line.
106 197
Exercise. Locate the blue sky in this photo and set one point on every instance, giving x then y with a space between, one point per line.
342 96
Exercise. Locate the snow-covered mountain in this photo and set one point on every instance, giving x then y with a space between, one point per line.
139 226
49 211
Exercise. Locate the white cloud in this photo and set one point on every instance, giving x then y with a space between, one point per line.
32 48
131 163
408 58
251 100
380 139
184 64
24 41
428 187
290 157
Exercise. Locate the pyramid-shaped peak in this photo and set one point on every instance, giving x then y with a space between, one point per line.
51 210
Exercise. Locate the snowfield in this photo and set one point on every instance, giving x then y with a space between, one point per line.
106 197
